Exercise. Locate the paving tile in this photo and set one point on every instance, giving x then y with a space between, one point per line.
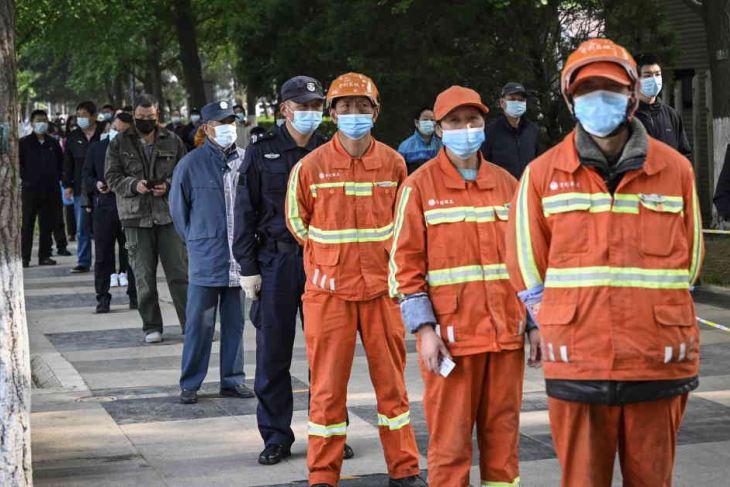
114 338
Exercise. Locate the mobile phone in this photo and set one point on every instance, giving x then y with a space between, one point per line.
154 182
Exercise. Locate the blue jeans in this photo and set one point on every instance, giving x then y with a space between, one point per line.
203 302
83 234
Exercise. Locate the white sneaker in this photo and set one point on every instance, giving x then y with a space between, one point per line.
114 280
123 282
153 337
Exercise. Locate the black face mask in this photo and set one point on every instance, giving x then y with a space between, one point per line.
145 126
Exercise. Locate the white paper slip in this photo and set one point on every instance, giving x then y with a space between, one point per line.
447 365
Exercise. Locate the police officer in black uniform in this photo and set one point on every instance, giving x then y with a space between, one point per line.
272 270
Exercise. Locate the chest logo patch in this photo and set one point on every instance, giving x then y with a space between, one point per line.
272 155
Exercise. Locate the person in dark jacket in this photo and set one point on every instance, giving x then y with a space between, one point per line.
77 143
187 132
660 120
41 163
202 196
512 140
107 227
139 166
722 191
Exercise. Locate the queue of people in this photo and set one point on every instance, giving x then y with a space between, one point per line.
471 236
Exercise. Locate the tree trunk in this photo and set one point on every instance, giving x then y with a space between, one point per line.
717 24
15 464
153 77
192 70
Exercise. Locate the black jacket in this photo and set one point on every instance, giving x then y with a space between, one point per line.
41 165
74 157
93 171
511 148
722 191
662 122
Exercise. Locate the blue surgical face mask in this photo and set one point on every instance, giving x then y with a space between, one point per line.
601 112
225 135
355 126
426 127
40 128
463 142
175 119
113 133
515 108
650 87
240 116
83 122
306 122
280 122
195 118
107 116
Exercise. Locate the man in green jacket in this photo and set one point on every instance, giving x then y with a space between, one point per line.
139 165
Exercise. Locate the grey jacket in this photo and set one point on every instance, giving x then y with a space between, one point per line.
127 164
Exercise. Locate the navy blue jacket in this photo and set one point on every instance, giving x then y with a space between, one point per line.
93 171
198 209
261 194
511 148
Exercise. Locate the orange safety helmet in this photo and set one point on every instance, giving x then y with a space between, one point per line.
352 84
603 53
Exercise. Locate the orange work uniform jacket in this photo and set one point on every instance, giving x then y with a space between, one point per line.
449 242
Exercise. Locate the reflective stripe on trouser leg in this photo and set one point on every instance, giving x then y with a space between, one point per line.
330 331
383 338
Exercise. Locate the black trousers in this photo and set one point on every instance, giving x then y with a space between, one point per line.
70 220
44 207
107 232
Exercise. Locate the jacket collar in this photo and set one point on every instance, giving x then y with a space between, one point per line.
342 160
222 157
454 180
288 143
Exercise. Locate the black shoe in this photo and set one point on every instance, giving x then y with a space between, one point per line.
240 391
133 304
273 454
103 305
47 261
79 269
64 252
347 452
413 481
26 264
188 397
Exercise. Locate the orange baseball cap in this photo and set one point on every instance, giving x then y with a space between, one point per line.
602 69
455 97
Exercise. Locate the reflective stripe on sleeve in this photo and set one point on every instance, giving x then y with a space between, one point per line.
293 215
399 219
617 277
395 423
469 273
525 256
696 261
351 235
326 431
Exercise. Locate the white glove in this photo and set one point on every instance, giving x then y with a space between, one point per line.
251 286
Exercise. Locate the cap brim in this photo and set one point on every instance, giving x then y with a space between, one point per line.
603 70
306 98
514 92
479 106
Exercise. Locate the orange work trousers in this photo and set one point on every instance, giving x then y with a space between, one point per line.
330 331
483 389
586 438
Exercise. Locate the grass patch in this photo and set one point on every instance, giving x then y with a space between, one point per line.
716 269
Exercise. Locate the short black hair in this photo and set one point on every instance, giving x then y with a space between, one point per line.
417 115
110 107
646 59
124 117
36 113
239 106
127 108
195 110
145 100
88 106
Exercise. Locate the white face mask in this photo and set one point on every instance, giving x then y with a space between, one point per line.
112 133
225 135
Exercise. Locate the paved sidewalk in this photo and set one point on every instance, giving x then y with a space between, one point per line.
107 411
